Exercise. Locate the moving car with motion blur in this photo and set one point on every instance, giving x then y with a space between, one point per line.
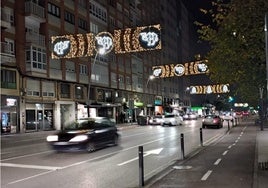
190 116
156 120
212 121
172 120
86 134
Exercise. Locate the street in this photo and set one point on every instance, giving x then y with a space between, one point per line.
227 163
27 161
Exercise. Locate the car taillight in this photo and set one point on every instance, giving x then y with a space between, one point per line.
215 120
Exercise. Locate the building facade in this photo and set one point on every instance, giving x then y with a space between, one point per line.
41 93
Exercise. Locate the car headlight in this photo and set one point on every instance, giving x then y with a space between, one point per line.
79 138
52 138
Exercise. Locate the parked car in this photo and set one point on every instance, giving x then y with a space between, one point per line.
190 116
156 120
85 134
172 120
212 121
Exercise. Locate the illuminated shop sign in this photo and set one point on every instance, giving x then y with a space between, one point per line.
191 68
209 89
121 41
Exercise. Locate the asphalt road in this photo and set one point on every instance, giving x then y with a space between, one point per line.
229 162
27 161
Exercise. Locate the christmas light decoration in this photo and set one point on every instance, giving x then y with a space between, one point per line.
191 68
122 41
209 89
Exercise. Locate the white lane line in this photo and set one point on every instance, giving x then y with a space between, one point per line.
229 147
224 153
20 180
206 175
29 155
218 161
238 138
30 166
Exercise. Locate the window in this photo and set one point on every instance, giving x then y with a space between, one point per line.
82 23
33 87
36 57
9 46
94 28
83 69
8 79
53 9
48 89
65 91
69 17
98 11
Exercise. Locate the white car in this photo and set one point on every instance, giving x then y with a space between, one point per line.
172 120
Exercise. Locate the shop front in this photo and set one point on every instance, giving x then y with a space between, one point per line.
9 111
39 117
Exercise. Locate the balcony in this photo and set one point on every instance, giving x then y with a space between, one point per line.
7 55
5 19
34 13
35 38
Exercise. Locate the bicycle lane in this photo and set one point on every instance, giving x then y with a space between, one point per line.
228 162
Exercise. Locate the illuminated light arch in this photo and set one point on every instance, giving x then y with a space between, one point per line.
121 41
191 68
209 89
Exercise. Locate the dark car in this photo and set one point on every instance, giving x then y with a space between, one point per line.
212 121
86 134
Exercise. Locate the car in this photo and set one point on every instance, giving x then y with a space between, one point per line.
190 116
172 120
88 134
212 121
156 120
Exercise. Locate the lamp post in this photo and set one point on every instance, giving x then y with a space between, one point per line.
100 51
151 77
266 53
188 90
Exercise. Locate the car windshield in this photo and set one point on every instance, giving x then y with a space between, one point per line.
79 125
211 116
89 123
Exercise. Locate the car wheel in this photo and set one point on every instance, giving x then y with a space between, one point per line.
91 147
203 126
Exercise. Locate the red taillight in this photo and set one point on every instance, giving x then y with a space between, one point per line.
215 120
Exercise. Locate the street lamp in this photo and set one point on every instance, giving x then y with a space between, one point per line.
188 90
100 51
151 77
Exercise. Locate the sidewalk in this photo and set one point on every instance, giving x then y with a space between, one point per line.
260 179
261 159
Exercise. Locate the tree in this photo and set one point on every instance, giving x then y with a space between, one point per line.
237 40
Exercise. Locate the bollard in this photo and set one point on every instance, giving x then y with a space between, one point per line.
228 125
201 137
141 167
182 145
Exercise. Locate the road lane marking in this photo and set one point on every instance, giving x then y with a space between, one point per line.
29 155
206 175
30 166
224 153
218 161
229 147
146 153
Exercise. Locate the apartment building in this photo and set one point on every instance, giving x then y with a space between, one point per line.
42 93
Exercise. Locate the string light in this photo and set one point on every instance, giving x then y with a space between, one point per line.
191 68
209 89
122 41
